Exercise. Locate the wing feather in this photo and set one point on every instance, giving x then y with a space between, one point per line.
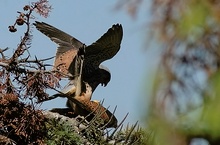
56 34
67 49
105 47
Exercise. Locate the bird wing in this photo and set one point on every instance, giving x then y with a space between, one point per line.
67 49
105 47
75 85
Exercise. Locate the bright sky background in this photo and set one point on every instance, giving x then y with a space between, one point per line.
87 21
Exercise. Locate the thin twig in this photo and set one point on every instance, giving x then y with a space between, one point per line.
131 130
34 61
119 125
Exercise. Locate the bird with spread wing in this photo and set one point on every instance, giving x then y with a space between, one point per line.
81 62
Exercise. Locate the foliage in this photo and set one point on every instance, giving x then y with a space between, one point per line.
21 122
23 79
133 136
184 102
61 133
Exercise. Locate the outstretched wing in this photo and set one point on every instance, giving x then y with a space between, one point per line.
68 45
104 48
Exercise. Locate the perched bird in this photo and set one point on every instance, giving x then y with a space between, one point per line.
93 73
83 62
92 108
89 109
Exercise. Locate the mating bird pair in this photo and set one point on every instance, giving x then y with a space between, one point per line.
83 66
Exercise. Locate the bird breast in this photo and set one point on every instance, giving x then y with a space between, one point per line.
88 93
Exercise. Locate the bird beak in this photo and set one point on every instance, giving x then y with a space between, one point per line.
103 84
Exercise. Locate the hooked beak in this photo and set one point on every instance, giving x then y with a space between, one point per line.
104 84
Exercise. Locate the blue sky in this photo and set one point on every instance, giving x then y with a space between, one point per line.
87 21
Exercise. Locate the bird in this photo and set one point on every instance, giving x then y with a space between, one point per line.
89 109
81 62
93 73
92 108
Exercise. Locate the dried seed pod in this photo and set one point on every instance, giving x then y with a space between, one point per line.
26 7
12 28
20 21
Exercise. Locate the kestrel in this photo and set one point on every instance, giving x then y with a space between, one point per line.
84 66
89 109
92 72
92 108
